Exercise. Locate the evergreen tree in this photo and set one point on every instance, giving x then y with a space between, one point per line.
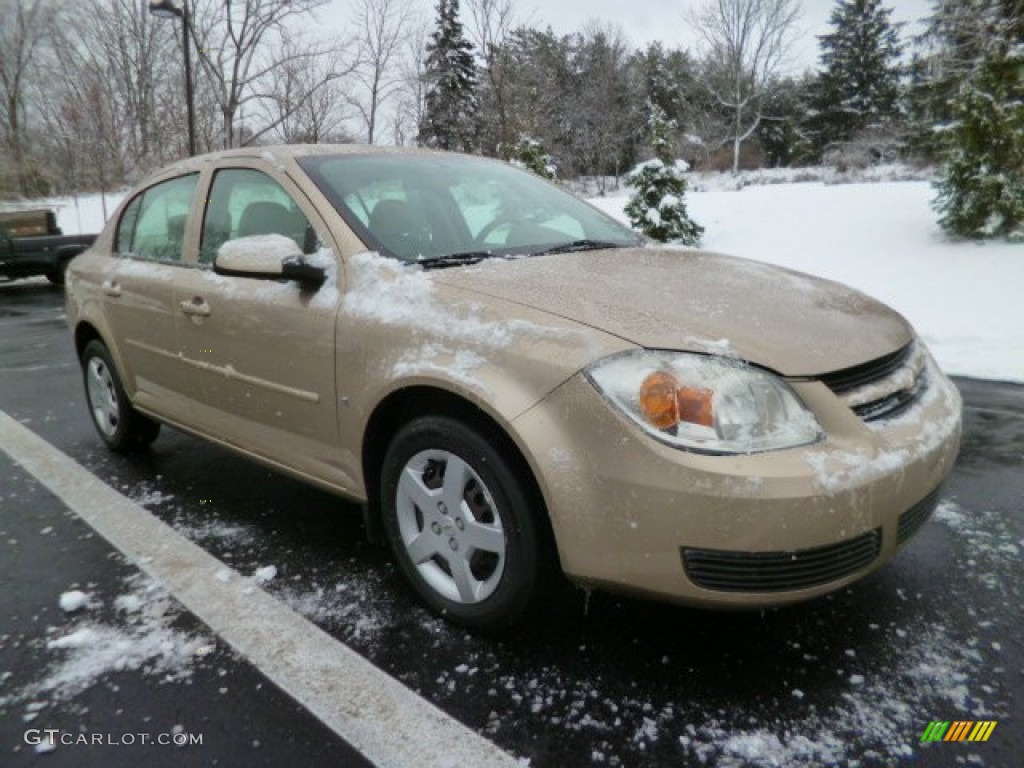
981 189
860 81
528 153
958 36
451 101
657 207
786 135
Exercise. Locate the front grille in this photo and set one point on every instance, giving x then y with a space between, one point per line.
882 388
729 571
892 405
912 520
849 379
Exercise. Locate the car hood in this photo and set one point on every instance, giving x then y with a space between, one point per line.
668 298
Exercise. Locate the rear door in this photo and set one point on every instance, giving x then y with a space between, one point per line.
263 350
137 287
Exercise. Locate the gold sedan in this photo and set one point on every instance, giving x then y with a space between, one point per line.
513 381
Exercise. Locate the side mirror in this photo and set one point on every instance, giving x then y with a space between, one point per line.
267 257
301 271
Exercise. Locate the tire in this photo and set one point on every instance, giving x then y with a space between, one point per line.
469 544
58 275
120 426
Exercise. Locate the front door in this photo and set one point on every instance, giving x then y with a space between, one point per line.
262 351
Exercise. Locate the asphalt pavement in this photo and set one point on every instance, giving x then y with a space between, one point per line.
851 679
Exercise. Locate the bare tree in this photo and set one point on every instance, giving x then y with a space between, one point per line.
240 44
22 33
305 104
600 109
490 26
119 42
412 91
744 44
384 27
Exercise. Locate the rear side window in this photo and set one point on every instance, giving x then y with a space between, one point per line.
153 224
245 202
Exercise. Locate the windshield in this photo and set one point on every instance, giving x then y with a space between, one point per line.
434 206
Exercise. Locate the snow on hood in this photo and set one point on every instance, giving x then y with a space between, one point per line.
663 298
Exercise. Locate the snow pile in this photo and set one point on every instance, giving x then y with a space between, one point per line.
265 574
152 498
391 293
216 530
269 249
434 358
141 640
358 608
394 294
75 600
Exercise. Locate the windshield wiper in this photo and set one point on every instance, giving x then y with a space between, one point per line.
453 259
579 245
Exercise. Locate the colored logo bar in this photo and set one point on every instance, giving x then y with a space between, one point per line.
958 730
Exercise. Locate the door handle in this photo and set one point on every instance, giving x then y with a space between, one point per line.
112 288
197 307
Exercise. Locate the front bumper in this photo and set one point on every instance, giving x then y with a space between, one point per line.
632 514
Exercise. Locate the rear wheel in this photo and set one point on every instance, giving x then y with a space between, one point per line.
58 275
119 424
460 524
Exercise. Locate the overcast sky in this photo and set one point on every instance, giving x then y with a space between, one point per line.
644 21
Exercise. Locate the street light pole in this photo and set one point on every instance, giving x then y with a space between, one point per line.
167 9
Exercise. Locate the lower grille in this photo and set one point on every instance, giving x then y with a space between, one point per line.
912 520
729 571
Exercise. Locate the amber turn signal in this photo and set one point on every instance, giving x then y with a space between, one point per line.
658 402
694 405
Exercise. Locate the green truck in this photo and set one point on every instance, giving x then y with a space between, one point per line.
31 243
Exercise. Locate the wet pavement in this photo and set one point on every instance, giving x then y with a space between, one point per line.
851 679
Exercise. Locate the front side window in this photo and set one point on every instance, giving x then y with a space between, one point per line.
153 224
243 203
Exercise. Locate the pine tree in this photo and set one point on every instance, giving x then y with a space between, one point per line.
528 153
860 81
959 35
451 100
981 189
657 207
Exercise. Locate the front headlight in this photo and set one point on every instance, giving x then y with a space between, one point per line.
706 404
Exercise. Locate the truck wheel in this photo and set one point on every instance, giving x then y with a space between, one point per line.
122 427
460 524
58 275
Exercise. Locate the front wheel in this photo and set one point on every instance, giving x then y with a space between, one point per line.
119 424
460 524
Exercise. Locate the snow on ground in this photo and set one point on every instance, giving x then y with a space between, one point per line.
872 718
882 238
88 649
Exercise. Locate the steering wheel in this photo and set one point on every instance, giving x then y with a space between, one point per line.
493 224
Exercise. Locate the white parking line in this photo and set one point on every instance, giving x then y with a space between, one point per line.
384 720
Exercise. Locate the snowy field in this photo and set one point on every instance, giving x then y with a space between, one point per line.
880 237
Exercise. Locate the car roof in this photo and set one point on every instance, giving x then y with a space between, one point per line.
284 152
